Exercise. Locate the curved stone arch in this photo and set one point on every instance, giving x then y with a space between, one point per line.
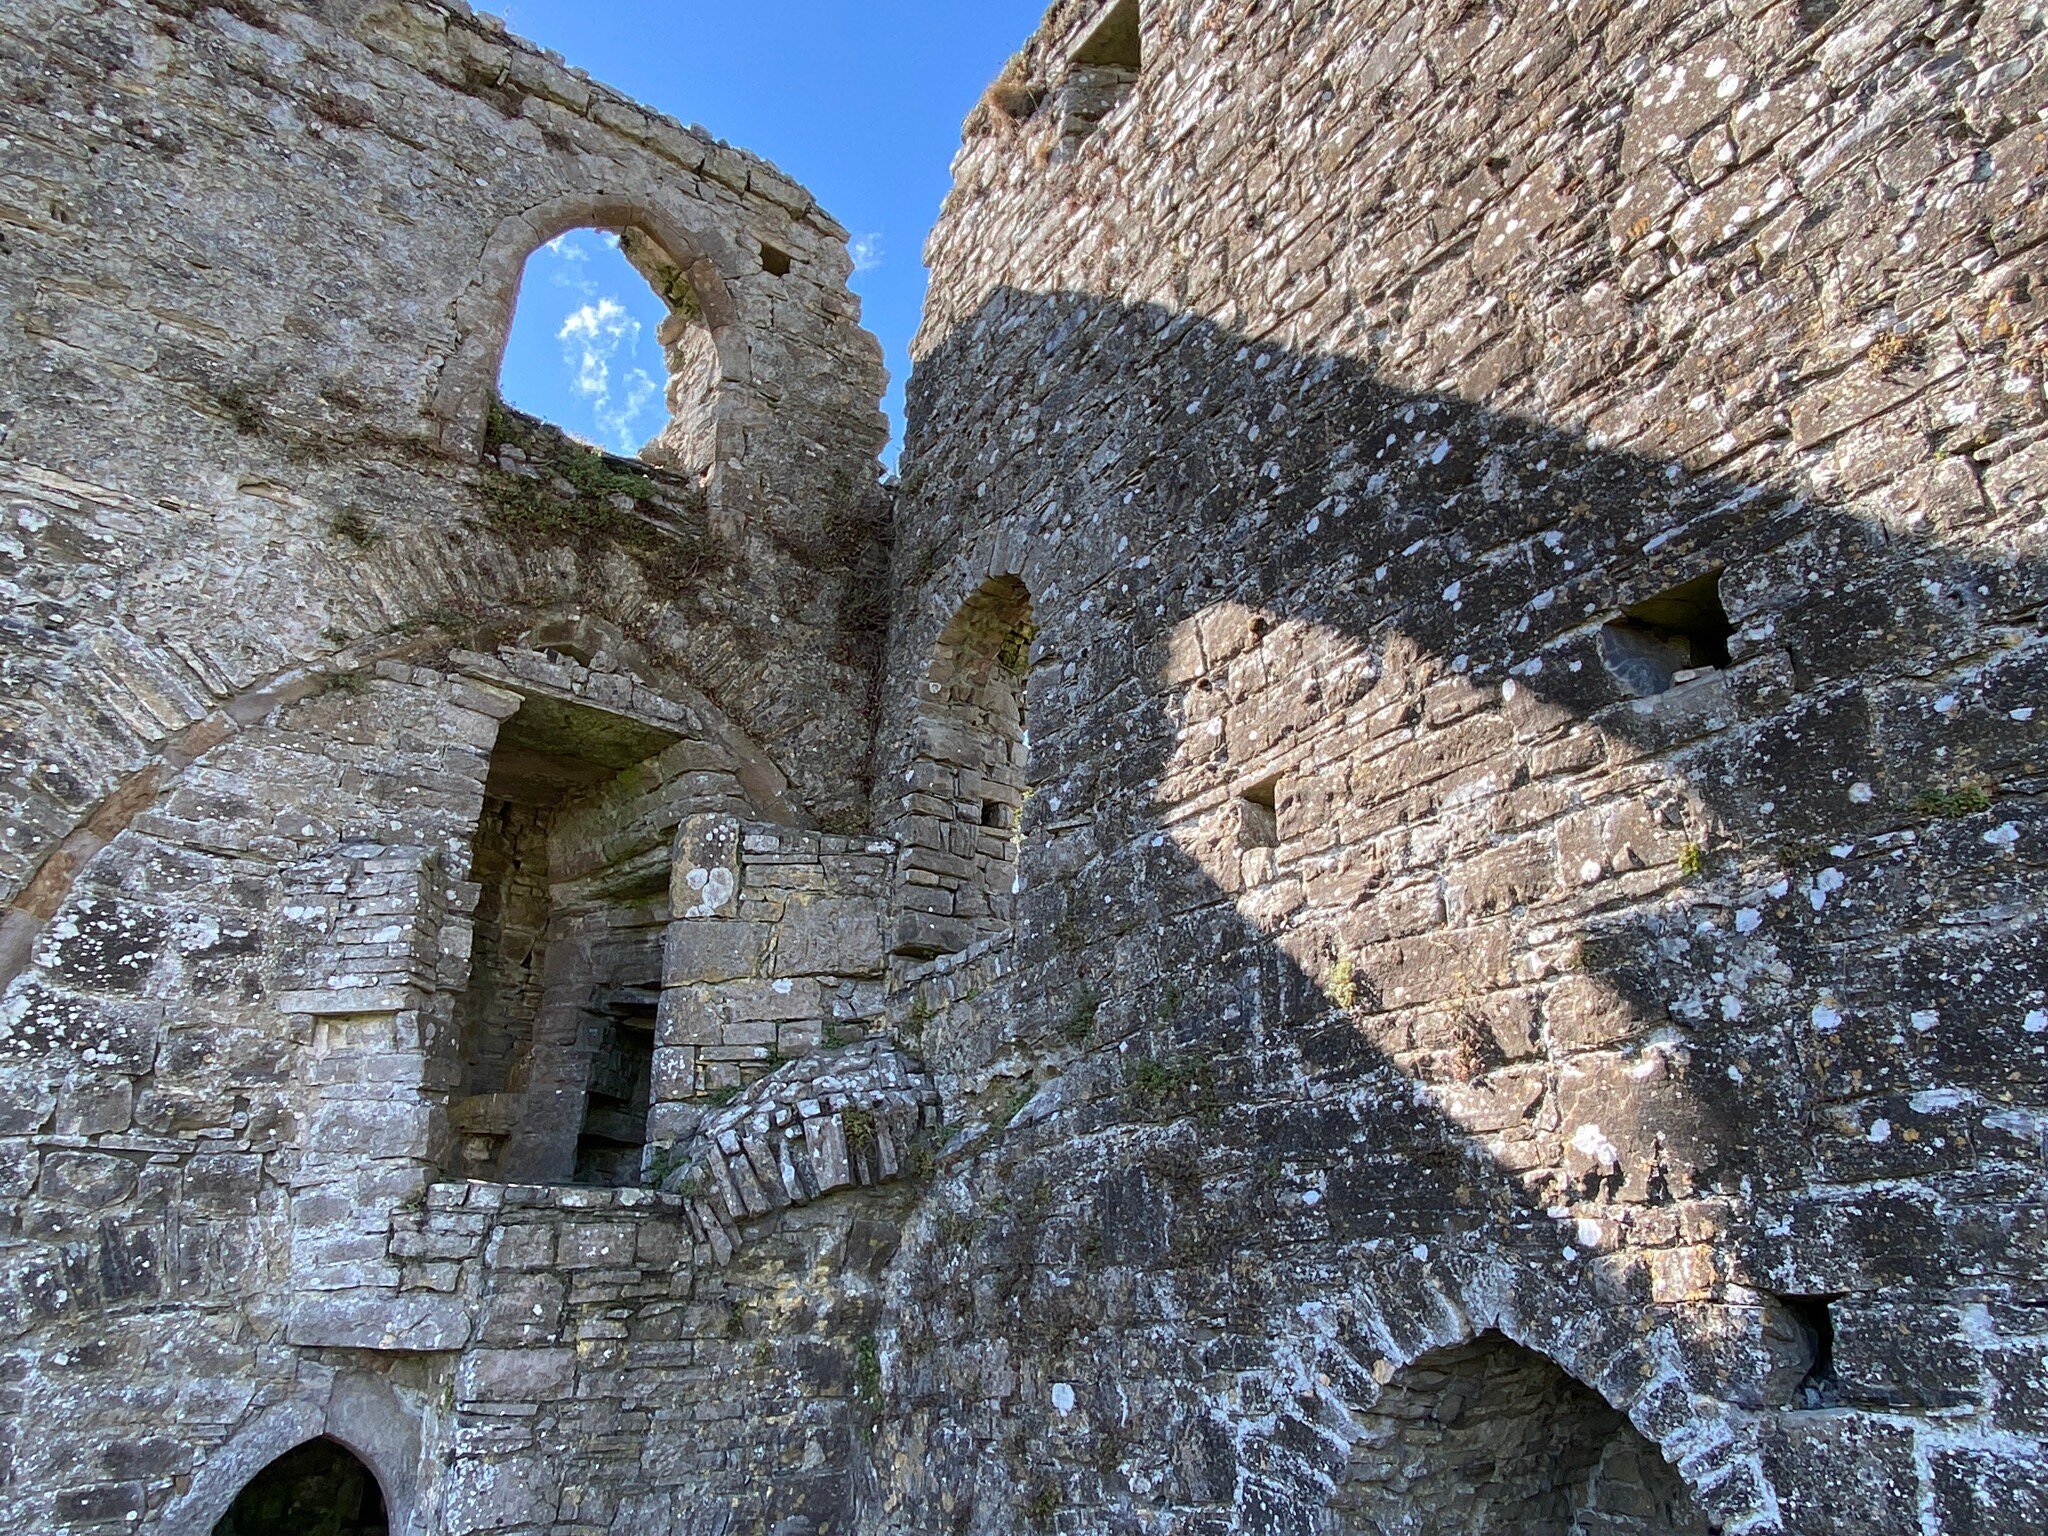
1641 1378
25 911
483 314
959 827
362 1415
1005 557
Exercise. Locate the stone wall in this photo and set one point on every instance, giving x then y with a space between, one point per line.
1457 768
1532 519
289 603
774 949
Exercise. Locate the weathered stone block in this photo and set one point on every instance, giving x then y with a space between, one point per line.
706 878
526 1246
711 950
831 937
87 1179
516 1375
496 1496
595 1245
376 1320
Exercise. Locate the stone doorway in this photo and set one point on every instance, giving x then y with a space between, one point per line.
961 824
1490 1439
555 1027
318 1489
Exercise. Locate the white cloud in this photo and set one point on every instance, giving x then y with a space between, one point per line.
592 339
571 267
867 252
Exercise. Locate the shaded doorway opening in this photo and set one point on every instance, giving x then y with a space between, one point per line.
962 821
1491 1439
555 1026
318 1489
614 1137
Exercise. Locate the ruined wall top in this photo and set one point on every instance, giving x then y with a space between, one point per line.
260 264
309 222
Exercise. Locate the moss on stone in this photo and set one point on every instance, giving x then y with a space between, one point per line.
583 498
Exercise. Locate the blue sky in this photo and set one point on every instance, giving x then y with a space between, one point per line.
860 100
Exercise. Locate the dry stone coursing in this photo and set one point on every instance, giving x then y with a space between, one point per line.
1388 968
271 650
1453 778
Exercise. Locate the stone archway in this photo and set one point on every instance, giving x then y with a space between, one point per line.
1487 1438
961 823
363 1416
318 1488
686 265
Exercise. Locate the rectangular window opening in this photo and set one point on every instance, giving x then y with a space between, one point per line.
1102 72
1653 646
1116 41
774 261
1259 814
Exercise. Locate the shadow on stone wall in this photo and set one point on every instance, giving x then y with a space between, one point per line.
1764 1049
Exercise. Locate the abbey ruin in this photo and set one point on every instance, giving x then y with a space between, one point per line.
1395 888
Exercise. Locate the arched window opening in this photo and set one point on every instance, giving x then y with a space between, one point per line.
318 1489
556 1025
609 342
962 820
1490 1439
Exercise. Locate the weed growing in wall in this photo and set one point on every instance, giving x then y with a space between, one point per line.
1081 1021
867 1370
1952 801
1343 987
353 525
1160 1084
859 1125
581 497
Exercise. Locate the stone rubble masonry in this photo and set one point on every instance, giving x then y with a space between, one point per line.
1311 1043
1330 388
261 643
774 948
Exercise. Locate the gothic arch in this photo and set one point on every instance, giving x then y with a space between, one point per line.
483 313
363 1415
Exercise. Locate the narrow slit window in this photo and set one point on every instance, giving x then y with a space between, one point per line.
1259 814
1653 646
1102 70
1811 1321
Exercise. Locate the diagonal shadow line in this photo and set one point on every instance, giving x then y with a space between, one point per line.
1871 662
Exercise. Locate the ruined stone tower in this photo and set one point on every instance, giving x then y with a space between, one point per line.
1396 889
